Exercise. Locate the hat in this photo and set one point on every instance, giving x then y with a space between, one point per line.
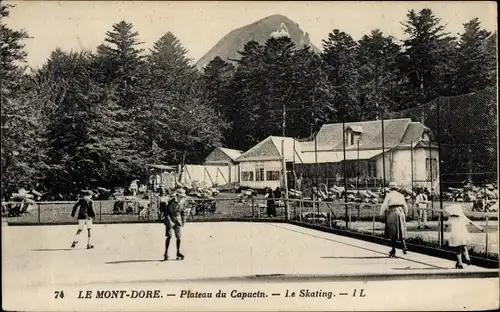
454 210
393 186
180 192
87 192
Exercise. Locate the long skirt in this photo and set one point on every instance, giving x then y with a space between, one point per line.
395 225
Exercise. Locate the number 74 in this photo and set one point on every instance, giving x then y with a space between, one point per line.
58 294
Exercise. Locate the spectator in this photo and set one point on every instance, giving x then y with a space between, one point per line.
421 203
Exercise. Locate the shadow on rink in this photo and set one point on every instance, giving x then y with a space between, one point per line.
134 261
355 258
53 249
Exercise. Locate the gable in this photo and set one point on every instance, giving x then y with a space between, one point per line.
414 133
264 150
291 147
217 155
232 153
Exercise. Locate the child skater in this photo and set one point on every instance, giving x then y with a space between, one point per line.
85 216
459 235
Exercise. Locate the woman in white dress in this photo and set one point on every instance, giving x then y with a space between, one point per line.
459 234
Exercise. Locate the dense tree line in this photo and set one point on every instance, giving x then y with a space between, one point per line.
87 119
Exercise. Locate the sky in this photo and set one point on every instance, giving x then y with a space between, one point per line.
199 25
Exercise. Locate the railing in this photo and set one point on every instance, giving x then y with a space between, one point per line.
365 218
351 216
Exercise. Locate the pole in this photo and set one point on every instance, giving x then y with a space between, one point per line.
486 230
345 172
285 184
284 119
411 161
441 223
383 150
293 168
316 158
316 170
357 170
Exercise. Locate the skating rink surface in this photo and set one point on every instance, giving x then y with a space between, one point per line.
37 261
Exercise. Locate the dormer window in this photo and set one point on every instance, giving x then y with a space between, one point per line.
425 136
353 134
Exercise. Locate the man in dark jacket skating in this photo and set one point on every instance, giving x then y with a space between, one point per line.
174 218
85 216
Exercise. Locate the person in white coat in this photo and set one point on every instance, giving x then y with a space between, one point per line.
395 222
459 234
421 202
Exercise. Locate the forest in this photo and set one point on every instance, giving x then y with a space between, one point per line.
98 118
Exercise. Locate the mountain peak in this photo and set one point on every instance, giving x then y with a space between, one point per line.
276 26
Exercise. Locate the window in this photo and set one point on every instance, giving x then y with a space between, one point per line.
431 168
247 175
273 176
259 174
372 168
349 137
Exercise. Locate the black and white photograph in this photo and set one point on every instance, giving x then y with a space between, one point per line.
249 156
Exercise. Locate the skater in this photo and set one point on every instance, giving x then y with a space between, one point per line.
395 223
459 235
85 216
174 214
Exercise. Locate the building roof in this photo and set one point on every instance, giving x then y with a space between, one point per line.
232 153
413 133
396 132
270 149
221 155
162 167
356 128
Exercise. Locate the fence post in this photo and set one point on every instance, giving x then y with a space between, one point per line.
314 209
350 213
38 208
486 230
373 220
300 209
100 211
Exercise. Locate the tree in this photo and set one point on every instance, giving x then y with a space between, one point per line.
216 77
339 52
120 66
474 63
246 89
179 122
427 57
120 62
12 54
19 118
378 74
310 102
